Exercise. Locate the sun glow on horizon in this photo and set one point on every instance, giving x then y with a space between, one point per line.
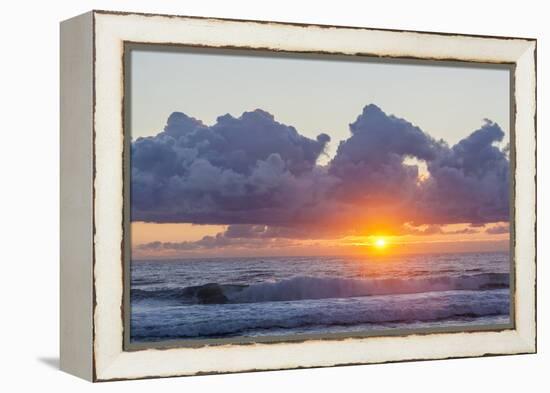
175 240
380 243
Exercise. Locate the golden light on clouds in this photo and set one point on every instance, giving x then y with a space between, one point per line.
414 239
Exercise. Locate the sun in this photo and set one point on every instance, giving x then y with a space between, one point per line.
380 243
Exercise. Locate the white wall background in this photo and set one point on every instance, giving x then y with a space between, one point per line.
29 195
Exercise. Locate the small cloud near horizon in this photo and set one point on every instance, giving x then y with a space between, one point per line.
498 229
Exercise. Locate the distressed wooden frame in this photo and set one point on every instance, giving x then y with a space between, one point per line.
93 186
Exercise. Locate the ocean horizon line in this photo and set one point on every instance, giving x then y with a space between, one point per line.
378 256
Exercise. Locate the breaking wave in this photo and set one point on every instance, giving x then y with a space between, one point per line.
305 287
321 314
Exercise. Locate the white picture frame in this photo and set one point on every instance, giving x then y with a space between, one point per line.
93 181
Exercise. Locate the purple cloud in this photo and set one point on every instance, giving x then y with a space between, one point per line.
498 229
258 175
251 169
469 182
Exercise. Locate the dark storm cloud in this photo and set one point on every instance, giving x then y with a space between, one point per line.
264 175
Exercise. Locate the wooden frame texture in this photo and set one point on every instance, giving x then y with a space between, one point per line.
93 186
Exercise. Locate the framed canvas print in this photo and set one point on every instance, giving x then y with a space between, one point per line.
245 195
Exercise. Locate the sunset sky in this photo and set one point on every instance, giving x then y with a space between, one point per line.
259 155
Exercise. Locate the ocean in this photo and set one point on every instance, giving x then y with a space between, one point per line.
278 296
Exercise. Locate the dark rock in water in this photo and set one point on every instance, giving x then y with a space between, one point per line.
210 294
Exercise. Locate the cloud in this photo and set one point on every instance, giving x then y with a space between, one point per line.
250 169
468 182
262 179
435 229
235 236
498 229
375 187
465 231
376 148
